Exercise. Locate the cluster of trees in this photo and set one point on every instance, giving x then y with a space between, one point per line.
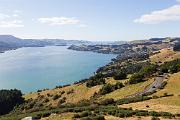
120 75
144 72
88 115
129 113
97 79
9 99
170 67
177 46
134 67
132 100
128 68
107 88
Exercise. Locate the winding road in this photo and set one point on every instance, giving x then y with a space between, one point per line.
153 86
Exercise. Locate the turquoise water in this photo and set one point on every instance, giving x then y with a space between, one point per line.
30 69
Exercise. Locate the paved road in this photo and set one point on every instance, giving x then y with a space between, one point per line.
154 86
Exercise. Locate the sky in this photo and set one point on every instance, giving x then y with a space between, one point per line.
98 20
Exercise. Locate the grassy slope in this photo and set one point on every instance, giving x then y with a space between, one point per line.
80 92
64 116
169 104
131 118
128 90
165 55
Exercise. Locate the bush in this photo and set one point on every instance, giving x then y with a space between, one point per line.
107 101
76 116
61 101
9 99
155 118
136 78
132 100
46 114
177 46
95 80
99 118
171 66
70 91
84 114
144 72
120 76
107 88
46 100
55 97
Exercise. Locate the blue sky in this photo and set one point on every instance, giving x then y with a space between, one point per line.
90 19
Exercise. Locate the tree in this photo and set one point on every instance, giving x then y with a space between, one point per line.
136 78
9 99
120 75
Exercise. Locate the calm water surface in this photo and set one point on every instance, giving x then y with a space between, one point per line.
30 69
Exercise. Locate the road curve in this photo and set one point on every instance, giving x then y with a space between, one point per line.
153 86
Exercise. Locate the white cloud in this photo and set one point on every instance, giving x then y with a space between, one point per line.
17 11
83 25
3 16
10 21
169 14
59 21
11 24
15 15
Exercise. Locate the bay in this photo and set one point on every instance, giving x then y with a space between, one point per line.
33 68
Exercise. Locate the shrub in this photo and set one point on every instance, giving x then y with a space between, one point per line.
107 101
46 100
177 46
70 91
136 78
46 114
171 66
155 118
120 76
84 114
9 99
155 97
55 97
61 101
144 72
107 88
99 118
62 92
95 80
76 116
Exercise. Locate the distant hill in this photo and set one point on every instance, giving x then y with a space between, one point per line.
9 42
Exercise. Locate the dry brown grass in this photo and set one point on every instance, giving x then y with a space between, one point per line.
110 80
127 90
168 104
154 105
63 116
173 85
80 92
133 118
165 55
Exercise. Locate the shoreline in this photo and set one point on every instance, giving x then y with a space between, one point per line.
107 59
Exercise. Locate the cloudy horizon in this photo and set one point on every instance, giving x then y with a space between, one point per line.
90 20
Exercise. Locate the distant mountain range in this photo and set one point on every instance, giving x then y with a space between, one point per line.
9 42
